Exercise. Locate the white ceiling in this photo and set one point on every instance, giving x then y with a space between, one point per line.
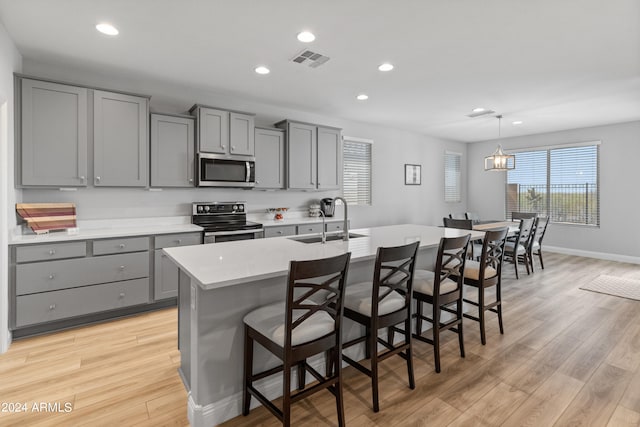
553 64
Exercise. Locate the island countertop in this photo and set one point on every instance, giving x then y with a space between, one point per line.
219 265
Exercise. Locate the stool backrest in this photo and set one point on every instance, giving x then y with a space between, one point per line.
465 224
541 228
309 284
523 215
524 232
493 252
450 261
394 273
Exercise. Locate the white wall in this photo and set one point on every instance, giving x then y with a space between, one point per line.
619 178
10 61
393 202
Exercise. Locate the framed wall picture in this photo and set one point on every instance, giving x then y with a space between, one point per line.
412 174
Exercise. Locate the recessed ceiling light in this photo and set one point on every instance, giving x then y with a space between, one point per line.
385 67
107 29
517 122
362 97
262 70
306 37
478 110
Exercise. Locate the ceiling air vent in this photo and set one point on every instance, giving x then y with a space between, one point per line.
481 113
310 58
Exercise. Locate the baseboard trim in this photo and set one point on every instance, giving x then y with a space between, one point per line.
592 254
5 344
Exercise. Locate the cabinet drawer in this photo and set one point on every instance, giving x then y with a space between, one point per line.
310 228
48 306
335 226
181 239
54 275
122 245
279 231
51 251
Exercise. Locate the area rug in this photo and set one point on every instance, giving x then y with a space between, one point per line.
616 286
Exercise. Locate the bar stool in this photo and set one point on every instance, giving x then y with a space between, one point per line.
441 288
517 247
485 274
297 329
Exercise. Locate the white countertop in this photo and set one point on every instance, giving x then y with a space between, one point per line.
218 265
100 229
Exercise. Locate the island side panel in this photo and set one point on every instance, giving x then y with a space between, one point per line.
184 327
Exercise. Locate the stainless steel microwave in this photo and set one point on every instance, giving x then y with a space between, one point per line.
220 170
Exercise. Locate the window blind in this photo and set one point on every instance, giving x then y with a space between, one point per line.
452 184
356 183
561 183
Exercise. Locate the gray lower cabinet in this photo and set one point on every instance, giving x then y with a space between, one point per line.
120 140
304 228
270 158
310 228
165 272
280 230
329 158
172 151
53 128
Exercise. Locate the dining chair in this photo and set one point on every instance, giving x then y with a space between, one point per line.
297 329
523 215
442 288
517 247
484 274
473 216
535 247
465 224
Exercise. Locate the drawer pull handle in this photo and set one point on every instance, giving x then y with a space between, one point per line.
121 245
52 307
121 294
52 276
52 251
279 232
179 241
122 267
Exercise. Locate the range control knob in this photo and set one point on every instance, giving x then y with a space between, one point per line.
206 208
234 207
241 208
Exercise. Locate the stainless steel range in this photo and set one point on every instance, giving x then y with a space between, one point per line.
225 222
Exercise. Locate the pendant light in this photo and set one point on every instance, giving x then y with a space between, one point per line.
499 161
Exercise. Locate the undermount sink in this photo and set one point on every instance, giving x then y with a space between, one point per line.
318 239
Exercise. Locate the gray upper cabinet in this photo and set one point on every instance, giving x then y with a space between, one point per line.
224 132
213 130
241 134
53 149
329 158
301 148
270 158
120 140
172 151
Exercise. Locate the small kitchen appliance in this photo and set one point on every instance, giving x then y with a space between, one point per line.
327 206
225 221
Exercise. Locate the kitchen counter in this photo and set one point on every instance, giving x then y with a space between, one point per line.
100 229
220 283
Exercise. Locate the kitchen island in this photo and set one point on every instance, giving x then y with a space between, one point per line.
220 283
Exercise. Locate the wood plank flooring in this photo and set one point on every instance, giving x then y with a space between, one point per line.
568 357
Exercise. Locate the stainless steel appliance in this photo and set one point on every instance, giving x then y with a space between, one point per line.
327 206
221 170
225 222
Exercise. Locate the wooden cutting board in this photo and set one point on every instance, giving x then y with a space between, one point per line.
44 217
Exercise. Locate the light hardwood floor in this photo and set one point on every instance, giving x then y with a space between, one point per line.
568 357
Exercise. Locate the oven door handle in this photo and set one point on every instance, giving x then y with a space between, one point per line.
231 233
248 168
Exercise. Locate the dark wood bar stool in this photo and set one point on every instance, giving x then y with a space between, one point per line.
517 247
442 288
535 248
297 329
485 274
385 303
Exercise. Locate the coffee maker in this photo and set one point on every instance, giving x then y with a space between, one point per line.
327 206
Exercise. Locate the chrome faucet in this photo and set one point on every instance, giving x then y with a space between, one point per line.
345 226
324 228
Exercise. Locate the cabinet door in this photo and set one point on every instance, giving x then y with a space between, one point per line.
329 158
120 140
241 134
165 277
302 156
172 151
269 158
54 134
213 130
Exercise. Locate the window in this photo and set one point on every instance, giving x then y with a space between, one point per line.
561 183
452 187
356 183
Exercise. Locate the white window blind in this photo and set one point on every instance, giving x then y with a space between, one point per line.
452 184
561 183
356 183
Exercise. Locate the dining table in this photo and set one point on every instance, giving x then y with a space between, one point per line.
493 224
